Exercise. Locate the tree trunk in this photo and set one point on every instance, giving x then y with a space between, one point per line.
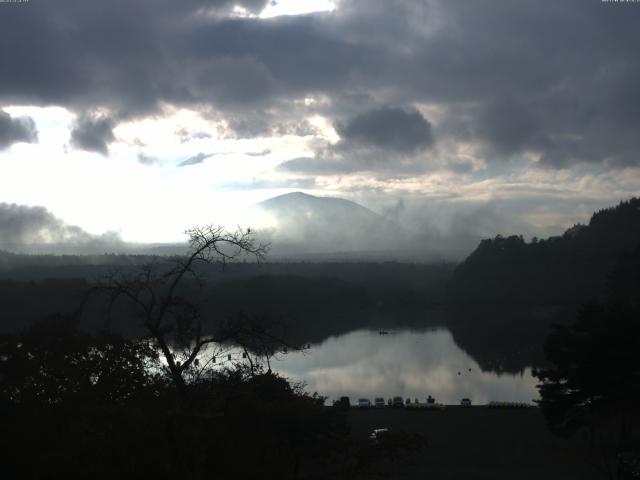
176 373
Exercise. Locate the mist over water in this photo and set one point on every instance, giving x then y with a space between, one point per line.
410 363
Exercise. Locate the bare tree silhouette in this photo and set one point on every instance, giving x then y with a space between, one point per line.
172 319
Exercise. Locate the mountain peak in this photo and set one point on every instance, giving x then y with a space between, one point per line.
303 202
324 224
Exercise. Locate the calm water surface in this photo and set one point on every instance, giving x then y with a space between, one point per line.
410 363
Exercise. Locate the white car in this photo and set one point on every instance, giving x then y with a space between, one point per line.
377 434
364 403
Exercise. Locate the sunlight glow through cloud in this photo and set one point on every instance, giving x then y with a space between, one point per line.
296 7
354 98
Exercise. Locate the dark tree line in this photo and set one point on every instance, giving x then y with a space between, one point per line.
504 298
568 269
101 405
593 382
81 405
97 404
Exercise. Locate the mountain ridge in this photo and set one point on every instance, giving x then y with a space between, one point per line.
303 224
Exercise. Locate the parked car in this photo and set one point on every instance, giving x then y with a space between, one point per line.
379 402
465 402
376 435
364 403
398 402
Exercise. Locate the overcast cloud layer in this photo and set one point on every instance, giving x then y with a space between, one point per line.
557 79
470 91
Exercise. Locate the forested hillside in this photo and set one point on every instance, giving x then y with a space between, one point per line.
562 270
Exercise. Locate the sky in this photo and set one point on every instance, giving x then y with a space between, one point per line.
132 120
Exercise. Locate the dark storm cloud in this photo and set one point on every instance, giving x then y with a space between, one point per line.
93 134
268 124
23 226
550 81
16 130
319 166
507 126
130 56
381 139
120 54
558 80
388 128
330 161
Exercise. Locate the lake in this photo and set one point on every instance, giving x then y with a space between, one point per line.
406 362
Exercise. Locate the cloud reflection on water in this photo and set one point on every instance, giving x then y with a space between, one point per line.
364 364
